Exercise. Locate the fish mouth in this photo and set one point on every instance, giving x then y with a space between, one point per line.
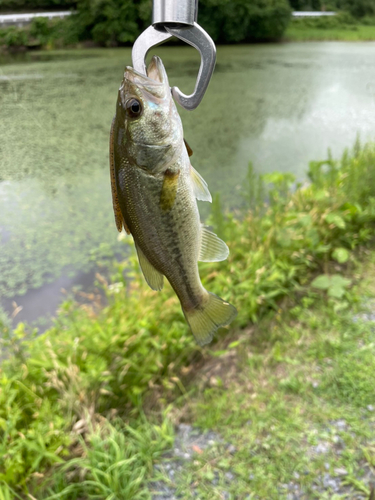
156 75
133 76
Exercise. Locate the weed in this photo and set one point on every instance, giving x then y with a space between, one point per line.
55 388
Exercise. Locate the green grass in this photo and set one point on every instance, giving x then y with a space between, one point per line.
72 401
340 28
292 379
356 34
114 462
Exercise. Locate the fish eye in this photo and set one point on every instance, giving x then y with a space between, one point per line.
133 107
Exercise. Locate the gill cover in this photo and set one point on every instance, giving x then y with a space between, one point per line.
153 139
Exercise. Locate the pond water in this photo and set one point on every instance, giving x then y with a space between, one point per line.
278 106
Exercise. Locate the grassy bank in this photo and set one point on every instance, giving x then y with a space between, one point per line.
331 29
291 402
72 401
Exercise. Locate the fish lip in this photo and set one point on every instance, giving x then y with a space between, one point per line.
133 76
155 68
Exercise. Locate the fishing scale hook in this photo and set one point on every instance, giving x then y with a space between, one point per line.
178 18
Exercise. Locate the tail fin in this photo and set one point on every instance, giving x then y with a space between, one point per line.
206 319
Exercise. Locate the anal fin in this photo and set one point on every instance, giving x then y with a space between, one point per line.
212 249
152 276
200 187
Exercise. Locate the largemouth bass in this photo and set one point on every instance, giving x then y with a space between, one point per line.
154 189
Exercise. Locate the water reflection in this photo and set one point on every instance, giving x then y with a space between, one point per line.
332 103
278 106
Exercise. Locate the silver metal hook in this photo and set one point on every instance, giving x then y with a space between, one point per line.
177 18
199 39
151 37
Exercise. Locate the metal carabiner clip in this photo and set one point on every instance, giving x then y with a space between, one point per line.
178 18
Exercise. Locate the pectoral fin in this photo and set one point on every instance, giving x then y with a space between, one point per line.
188 148
116 206
200 187
152 276
213 249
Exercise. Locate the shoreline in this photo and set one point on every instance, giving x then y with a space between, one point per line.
292 35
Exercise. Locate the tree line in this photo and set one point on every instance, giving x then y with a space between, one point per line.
117 22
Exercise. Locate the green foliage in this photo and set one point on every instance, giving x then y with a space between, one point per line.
115 462
341 255
7 493
335 284
32 5
40 29
343 20
106 22
109 22
260 19
331 28
368 20
93 366
42 32
296 405
118 22
357 8
14 37
32 432
302 231
305 4
253 190
343 26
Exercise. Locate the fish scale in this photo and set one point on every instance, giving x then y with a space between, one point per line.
169 243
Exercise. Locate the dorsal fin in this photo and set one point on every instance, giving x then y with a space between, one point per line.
116 206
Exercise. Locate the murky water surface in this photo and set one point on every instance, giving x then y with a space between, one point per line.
279 106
